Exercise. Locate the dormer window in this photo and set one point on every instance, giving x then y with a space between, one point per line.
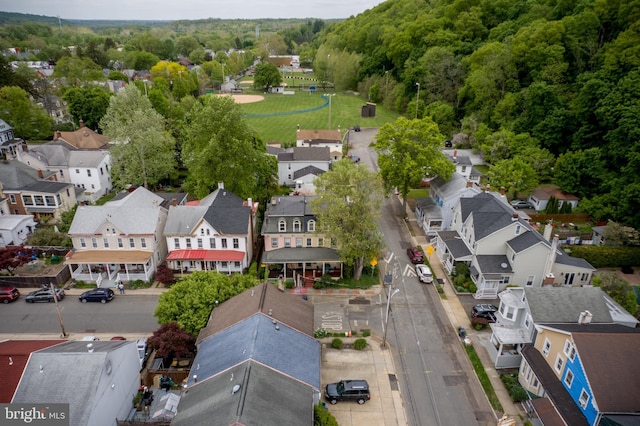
311 226
282 225
296 225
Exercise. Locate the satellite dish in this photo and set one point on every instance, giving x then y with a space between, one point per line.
504 265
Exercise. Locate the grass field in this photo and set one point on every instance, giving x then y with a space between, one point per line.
345 112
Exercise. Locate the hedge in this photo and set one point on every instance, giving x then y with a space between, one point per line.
607 256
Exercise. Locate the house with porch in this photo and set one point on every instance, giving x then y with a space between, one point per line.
501 248
523 311
217 233
121 240
292 249
10 146
434 213
582 374
331 139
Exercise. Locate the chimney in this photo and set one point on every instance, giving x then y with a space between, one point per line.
548 280
40 174
154 203
220 185
250 203
81 122
469 184
455 154
58 134
174 202
514 217
502 191
551 259
487 188
585 318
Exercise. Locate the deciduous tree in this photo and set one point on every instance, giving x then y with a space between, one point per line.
347 208
267 76
11 258
144 150
408 151
28 119
516 175
171 341
87 104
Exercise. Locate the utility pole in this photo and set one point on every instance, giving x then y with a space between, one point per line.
55 299
386 320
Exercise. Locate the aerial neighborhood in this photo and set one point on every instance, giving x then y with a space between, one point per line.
437 222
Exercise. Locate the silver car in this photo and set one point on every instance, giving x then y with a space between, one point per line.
424 274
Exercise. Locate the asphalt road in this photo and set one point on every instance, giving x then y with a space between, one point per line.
436 379
125 315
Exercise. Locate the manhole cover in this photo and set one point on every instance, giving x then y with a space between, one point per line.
359 301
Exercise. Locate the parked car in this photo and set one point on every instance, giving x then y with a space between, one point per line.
102 295
415 255
348 390
143 351
118 338
9 294
89 339
485 311
45 295
424 274
521 204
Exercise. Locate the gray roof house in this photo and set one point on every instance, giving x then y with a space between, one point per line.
434 213
118 241
523 310
97 379
10 146
292 248
502 248
216 233
252 366
298 158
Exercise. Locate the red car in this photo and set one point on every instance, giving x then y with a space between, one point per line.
9 294
415 255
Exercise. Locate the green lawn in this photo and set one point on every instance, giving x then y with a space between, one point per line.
345 112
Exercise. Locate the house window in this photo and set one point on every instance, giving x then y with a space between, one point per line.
143 242
93 186
296 225
567 347
572 353
274 243
89 172
311 225
535 383
208 231
308 242
101 171
49 200
188 243
287 242
584 277
83 244
77 171
59 198
201 231
132 243
223 264
282 225
224 243
200 243
530 280
27 200
68 194
513 257
94 243
236 243
176 243
464 169
320 242
212 243
584 398
568 380
527 321
120 242
334 242
237 265
12 198
105 242
298 242
61 173
559 363
546 348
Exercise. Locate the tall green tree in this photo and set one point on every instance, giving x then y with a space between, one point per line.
408 151
516 175
78 71
87 104
190 301
266 76
219 146
29 120
144 151
347 208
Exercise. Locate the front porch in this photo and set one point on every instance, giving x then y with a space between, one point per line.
505 345
107 267
302 266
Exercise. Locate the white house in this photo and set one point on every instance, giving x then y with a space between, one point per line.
118 241
331 139
14 229
217 233
298 159
501 249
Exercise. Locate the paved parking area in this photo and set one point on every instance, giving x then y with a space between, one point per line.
373 365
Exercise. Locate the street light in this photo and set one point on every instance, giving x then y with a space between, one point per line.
386 320
417 98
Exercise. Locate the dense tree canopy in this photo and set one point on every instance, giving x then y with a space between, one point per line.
87 104
347 208
29 120
267 76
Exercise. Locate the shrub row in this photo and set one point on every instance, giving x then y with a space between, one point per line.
607 256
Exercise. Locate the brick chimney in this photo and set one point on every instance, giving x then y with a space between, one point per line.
502 191
469 184
455 154
58 134
174 202
81 122
40 174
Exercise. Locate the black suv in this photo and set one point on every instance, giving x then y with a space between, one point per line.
485 311
348 390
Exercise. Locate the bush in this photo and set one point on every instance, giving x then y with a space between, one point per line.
322 416
164 275
366 333
320 333
516 391
337 343
360 344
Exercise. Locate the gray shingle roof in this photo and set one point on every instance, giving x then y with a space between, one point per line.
52 154
429 207
455 244
449 188
281 348
526 240
494 264
265 397
564 259
301 255
305 153
288 208
309 170
564 304
15 175
47 187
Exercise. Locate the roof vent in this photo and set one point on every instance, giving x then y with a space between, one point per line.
585 318
89 347
235 389
503 265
